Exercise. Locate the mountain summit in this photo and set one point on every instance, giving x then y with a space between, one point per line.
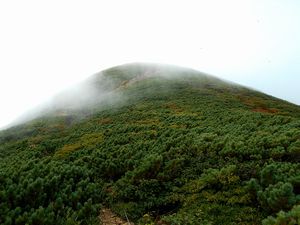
156 144
125 84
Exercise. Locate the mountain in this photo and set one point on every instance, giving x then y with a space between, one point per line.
158 144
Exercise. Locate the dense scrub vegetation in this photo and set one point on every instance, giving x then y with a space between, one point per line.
190 150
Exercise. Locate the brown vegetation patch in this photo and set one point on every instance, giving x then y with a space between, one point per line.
148 122
257 104
174 108
104 121
84 141
266 110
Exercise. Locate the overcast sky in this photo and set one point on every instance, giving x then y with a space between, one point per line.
46 46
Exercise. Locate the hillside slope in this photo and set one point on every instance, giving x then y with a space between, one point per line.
162 144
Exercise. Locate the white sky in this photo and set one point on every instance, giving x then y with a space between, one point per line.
47 45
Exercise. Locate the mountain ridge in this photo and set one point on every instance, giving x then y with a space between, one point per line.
114 80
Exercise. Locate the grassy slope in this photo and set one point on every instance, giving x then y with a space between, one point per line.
190 150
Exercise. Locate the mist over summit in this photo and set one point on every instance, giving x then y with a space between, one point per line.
111 88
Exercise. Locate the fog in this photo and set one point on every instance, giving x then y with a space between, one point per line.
105 90
47 47
108 89
82 99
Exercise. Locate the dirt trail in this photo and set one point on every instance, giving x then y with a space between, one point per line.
107 217
140 77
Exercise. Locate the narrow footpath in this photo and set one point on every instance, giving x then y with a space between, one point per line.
107 217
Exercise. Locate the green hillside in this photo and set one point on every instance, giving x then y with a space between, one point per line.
161 144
